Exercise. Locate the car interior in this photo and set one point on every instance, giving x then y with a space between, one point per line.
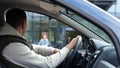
94 49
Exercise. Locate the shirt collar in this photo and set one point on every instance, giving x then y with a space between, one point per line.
9 30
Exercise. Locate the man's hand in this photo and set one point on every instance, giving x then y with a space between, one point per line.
72 43
56 50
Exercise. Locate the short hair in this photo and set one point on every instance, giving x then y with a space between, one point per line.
15 17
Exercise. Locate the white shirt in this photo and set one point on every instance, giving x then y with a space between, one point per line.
43 42
20 54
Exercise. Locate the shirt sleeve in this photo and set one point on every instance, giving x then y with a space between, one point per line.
48 42
43 50
40 42
21 55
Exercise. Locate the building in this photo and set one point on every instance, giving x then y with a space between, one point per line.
112 6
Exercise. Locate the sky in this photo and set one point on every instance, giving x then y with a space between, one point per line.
112 8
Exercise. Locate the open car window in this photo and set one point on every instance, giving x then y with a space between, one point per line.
58 33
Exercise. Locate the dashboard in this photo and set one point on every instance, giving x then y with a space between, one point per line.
99 54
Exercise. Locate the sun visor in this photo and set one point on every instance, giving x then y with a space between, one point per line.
52 8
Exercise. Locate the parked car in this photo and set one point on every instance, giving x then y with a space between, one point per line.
99 46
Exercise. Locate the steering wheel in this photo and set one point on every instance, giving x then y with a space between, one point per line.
73 52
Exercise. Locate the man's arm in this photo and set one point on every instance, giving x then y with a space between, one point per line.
72 43
21 55
44 50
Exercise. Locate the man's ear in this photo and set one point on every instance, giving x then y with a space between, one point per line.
23 27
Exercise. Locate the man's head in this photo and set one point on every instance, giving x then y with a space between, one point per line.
17 19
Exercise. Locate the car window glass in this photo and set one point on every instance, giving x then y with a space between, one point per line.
87 24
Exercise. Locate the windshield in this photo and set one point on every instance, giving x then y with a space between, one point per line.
87 24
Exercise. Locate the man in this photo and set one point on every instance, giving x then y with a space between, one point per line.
19 53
